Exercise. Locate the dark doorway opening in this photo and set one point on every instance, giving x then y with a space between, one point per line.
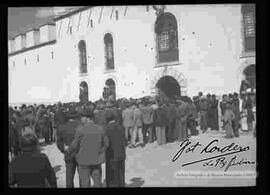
83 92
109 92
168 86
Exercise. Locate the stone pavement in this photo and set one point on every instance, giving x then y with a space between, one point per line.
152 165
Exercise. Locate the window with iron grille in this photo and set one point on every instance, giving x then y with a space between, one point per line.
164 41
82 56
167 40
249 23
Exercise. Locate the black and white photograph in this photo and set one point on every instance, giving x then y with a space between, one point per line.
132 96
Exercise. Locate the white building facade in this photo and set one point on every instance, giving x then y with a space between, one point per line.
181 49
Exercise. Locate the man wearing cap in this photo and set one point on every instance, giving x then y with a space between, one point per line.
89 145
65 136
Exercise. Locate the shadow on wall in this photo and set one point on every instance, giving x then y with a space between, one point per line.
136 182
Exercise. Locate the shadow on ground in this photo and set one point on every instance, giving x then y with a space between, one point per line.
136 182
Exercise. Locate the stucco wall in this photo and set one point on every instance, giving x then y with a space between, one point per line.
209 53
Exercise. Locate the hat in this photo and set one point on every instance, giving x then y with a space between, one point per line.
23 106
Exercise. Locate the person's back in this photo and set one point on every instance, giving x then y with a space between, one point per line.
117 142
203 106
193 110
91 146
100 117
160 117
67 131
128 117
60 117
147 114
137 117
31 170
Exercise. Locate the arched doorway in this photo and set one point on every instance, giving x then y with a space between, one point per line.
83 92
249 81
168 86
109 92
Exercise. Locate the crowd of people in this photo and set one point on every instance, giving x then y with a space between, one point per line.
92 133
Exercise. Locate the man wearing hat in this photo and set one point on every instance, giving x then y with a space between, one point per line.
65 136
115 153
31 169
89 145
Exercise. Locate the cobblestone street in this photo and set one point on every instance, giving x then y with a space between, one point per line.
153 166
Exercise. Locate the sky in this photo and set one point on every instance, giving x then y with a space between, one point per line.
21 19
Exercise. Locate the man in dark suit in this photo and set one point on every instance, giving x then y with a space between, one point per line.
160 121
115 153
236 111
31 169
89 144
60 117
65 136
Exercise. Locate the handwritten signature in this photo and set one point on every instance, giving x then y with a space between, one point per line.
187 147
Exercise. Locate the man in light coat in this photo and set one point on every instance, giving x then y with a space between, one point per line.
90 144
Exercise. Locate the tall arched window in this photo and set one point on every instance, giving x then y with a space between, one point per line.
109 57
82 56
167 38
